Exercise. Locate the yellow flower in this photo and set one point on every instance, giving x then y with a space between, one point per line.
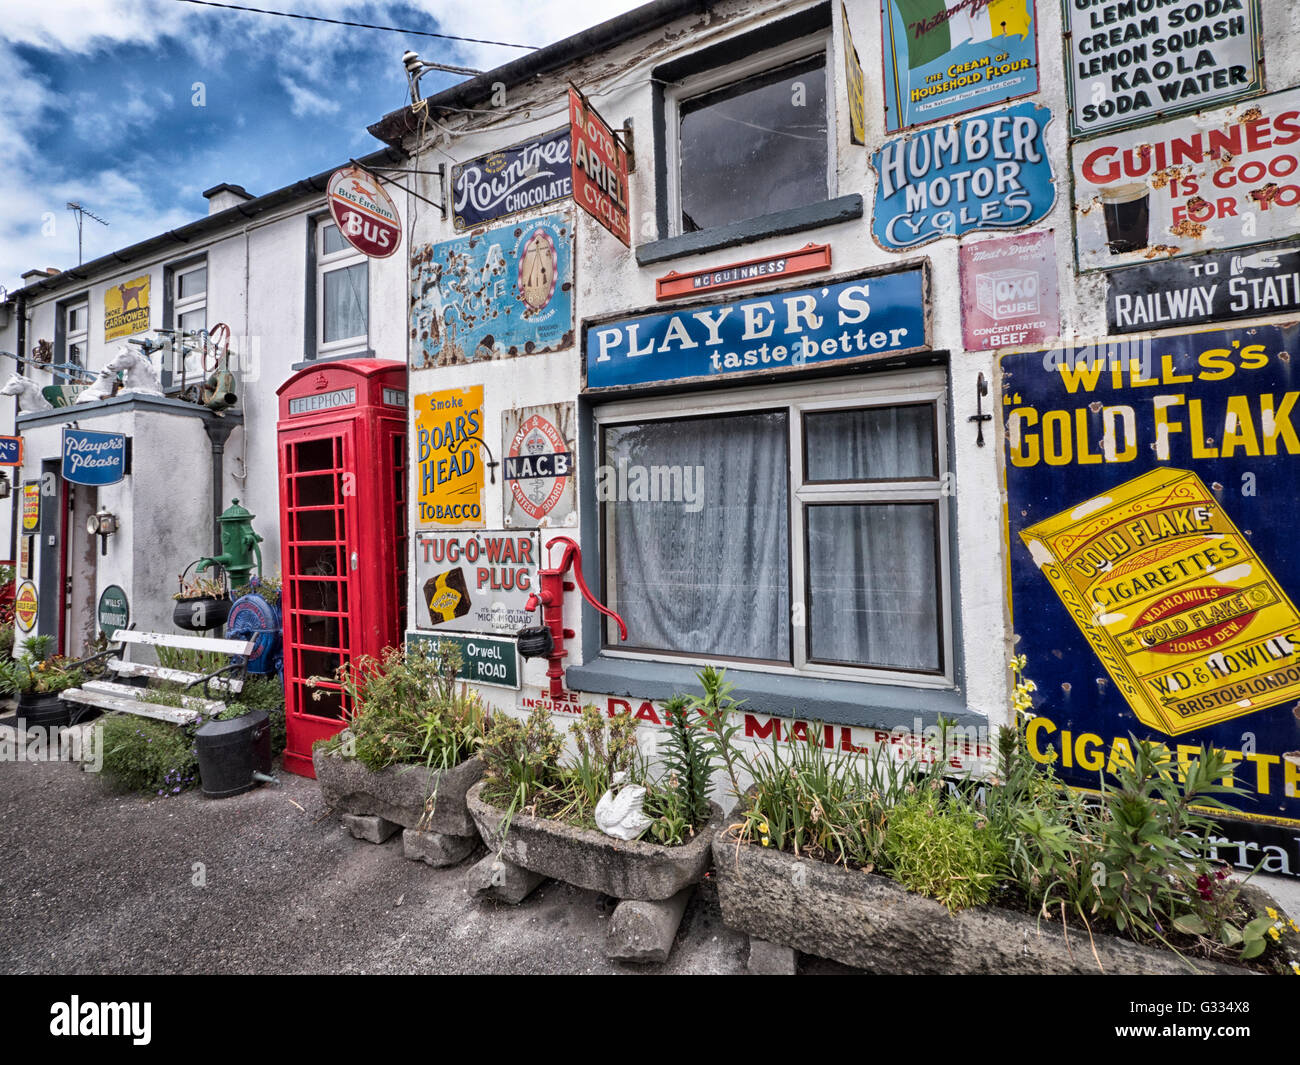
1295 967
767 842
1274 933
763 827
1272 913
1294 927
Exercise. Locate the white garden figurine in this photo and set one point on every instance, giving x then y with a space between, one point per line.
138 377
102 388
30 396
620 815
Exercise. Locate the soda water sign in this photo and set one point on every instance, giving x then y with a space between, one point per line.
849 321
93 458
1154 579
989 172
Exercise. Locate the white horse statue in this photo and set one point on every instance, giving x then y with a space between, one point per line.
137 372
102 388
30 396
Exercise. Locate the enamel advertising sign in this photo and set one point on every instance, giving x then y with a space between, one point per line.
11 450
1202 289
366 217
1134 61
126 308
495 294
31 506
27 605
989 172
475 581
848 321
855 81
1221 179
93 458
1153 573
539 476
947 57
517 178
808 259
1009 296
599 168
448 433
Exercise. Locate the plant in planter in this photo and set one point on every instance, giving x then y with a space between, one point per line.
37 678
409 753
202 602
543 816
1029 876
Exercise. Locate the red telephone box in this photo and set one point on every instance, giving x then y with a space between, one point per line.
342 439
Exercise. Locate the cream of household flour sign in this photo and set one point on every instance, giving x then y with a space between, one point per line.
1133 60
1221 179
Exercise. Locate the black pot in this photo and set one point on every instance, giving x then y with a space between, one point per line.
229 752
535 642
43 710
199 615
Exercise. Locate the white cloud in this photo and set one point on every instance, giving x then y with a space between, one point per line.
304 101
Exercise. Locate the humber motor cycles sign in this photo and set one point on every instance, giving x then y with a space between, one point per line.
514 179
988 172
1154 580
796 329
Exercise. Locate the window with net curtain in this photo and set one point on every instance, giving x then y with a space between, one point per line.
716 582
342 289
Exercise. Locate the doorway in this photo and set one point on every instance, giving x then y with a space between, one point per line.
80 571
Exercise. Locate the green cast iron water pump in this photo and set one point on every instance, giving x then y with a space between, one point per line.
239 544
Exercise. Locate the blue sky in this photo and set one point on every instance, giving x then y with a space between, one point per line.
98 102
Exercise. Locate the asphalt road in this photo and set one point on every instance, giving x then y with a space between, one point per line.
97 882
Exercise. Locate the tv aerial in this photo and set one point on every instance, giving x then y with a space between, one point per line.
81 213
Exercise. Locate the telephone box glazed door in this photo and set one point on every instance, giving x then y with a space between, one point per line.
342 444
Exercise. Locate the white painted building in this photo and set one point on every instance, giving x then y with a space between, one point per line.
274 269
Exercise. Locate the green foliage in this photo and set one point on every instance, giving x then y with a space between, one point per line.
190 661
408 709
33 674
141 754
598 757
274 715
686 759
6 640
724 723
942 848
39 647
262 693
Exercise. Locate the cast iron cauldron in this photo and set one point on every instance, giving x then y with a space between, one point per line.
234 754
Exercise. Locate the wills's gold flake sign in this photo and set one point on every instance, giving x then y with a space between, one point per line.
1154 564
1186 618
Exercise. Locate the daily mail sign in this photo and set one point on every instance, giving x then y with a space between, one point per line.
803 328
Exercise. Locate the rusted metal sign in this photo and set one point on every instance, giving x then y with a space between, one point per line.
1222 179
807 259
599 168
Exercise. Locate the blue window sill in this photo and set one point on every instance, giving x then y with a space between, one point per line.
777 224
832 702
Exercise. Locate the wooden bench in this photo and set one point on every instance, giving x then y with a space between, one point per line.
130 699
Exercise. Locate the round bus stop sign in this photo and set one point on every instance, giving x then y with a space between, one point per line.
365 215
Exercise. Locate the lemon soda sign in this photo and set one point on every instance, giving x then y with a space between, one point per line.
1154 580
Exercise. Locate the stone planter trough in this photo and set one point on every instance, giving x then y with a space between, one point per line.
871 922
376 803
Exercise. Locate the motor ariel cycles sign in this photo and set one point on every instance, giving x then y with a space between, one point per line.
1154 580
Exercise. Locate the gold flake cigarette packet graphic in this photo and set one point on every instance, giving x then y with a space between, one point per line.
1185 617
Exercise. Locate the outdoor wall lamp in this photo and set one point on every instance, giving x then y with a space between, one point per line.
103 524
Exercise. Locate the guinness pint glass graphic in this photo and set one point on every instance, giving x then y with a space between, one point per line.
446 596
1185 617
1128 216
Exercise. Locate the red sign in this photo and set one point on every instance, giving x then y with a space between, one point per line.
1008 292
599 168
807 259
365 215
26 606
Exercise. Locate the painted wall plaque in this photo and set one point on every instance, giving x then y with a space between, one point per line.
1225 178
947 57
126 308
1153 573
93 458
988 172
496 294
483 659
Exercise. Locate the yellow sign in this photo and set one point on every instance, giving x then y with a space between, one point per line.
26 604
1184 615
448 433
31 506
856 83
126 308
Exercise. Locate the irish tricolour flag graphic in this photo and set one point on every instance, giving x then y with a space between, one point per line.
935 27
